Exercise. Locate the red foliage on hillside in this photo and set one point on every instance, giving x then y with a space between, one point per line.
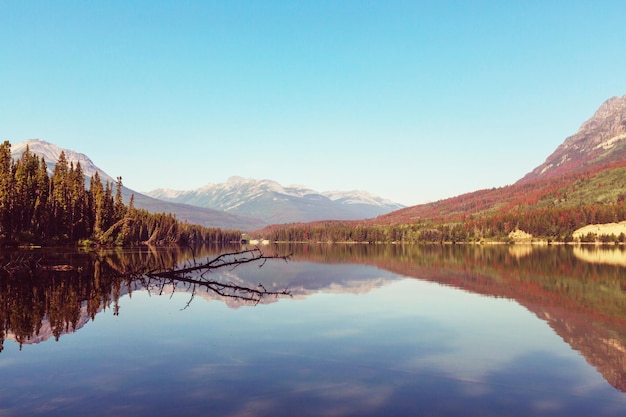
502 199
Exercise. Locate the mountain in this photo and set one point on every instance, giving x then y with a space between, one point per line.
589 167
601 140
367 204
192 214
274 203
51 153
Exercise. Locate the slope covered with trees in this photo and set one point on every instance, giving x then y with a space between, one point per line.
36 208
583 182
551 210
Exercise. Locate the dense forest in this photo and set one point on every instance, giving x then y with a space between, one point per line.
549 224
38 208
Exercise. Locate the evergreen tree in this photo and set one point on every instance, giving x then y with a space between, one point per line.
78 203
25 192
119 208
108 208
41 214
60 198
6 188
96 203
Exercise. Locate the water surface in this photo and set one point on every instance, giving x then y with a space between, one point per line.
367 331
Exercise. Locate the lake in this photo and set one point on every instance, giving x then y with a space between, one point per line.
365 330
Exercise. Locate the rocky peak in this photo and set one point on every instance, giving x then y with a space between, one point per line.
51 152
611 112
599 141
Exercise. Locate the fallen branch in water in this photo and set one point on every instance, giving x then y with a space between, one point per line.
231 259
195 276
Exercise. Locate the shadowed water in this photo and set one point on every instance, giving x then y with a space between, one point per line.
370 330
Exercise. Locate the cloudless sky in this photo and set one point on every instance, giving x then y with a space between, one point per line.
411 100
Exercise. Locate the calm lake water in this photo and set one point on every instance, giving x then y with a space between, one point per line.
366 331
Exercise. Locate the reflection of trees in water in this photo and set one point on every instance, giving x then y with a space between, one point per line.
59 290
546 274
583 302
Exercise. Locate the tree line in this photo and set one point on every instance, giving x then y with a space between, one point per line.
551 224
38 208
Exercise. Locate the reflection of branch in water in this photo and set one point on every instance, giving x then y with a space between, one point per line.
229 290
47 294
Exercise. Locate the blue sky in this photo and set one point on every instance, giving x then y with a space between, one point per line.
411 100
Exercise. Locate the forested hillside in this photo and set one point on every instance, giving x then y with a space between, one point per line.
583 182
548 210
36 208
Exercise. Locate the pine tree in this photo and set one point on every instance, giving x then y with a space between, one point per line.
41 214
96 203
6 188
25 192
119 208
60 198
108 208
78 203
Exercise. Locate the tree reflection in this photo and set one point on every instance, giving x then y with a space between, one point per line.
579 291
44 296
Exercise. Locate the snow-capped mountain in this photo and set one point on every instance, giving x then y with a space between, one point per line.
51 153
275 203
193 214
366 201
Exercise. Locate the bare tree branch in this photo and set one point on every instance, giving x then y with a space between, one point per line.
231 259
228 290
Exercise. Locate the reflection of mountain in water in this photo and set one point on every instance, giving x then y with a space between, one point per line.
301 281
583 301
46 331
46 299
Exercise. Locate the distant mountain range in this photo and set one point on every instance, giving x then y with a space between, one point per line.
244 204
274 203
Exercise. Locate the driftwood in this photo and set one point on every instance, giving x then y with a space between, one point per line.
195 275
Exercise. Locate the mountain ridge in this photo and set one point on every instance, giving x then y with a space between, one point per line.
275 203
51 152
600 140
